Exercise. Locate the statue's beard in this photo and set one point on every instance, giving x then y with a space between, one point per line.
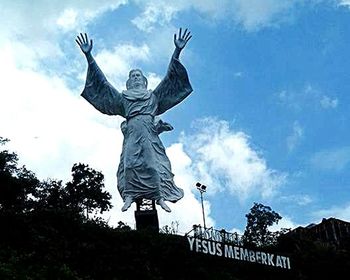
137 85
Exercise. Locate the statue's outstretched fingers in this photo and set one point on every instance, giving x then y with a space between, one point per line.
184 36
79 39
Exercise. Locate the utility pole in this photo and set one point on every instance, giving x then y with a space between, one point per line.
202 189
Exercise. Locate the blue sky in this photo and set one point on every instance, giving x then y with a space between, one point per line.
267 121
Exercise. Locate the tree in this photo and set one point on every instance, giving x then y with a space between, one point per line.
22 192
8 161
259 219
123 226
17 184
85 191
52 195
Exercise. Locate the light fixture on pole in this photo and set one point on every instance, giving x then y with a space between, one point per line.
202 189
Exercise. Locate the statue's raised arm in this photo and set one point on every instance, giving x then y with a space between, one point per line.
175 86
98 91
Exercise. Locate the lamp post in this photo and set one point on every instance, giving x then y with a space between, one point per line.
202 189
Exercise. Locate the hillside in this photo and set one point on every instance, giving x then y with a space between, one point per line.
53 245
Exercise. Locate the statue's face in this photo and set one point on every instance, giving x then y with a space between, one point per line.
136 79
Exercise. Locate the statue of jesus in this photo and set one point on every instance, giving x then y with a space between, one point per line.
144 170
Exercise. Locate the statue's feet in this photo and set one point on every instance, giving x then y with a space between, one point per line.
127 203
162 204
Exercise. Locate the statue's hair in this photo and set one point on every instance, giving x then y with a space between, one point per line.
128 82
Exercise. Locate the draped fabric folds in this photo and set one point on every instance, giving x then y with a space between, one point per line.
144 170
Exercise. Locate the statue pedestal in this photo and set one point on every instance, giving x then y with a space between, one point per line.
146 215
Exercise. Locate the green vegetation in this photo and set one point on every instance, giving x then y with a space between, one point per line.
259 219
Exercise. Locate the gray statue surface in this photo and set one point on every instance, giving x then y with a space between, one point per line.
144 170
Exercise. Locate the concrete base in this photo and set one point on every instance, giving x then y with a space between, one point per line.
146 216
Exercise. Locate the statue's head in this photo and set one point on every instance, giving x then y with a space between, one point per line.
136 80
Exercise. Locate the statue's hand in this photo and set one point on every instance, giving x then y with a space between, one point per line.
83 43
181 42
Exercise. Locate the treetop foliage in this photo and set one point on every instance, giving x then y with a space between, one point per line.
22 192
259 219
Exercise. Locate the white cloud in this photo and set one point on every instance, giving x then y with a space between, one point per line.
162 45
34 31
48 122
224 160
328 103
303 200
296 135
344 3
67 19
250 14
51 127
188 211
153 80
307 97
297 199
339 212
256 14
336 159
156 12
116 64
285 222
42 18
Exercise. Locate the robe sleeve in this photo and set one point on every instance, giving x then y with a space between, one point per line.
174 88
101 94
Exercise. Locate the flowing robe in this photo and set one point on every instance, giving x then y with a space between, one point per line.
144 170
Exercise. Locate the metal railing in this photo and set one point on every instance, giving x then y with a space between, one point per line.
216 235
